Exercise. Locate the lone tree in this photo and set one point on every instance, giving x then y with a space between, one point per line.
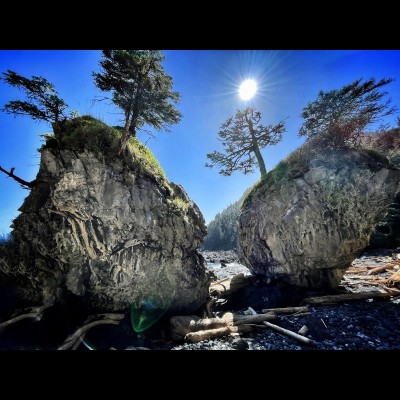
42 102
140 87
243 136
339 117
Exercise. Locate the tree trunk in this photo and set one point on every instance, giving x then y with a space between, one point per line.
125 136
260 159
256 149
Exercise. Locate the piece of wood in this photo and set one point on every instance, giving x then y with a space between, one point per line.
380 269
392 291
236 319
286 310
340 298
393 279
252 311
291 334
227 286
356 270
303 330
112 319
33 312
193 337
182 325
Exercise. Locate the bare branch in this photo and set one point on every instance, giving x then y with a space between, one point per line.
10 173
34 313
101 319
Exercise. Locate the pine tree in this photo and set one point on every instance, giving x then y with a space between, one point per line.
42 104
339 117
140 87
243 137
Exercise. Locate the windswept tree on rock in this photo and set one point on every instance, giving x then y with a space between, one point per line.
339 117
42 102
140 87
243 137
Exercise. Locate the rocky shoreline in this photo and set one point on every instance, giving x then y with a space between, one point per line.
372 324
359 325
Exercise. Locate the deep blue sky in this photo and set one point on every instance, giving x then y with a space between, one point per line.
208 82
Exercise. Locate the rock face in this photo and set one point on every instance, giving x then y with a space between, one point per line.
307 228
108 233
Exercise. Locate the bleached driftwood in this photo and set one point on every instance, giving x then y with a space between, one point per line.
182 325
100 319
286 310
380 269
214 333
33 312
291 334
340 298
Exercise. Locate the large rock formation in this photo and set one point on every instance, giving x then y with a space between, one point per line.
111 233
305 226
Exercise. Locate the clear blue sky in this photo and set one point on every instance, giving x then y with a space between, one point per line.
208 82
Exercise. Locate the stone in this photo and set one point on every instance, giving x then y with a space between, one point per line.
306 230
239 344
110 233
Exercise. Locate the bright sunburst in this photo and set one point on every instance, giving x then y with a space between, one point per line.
247 89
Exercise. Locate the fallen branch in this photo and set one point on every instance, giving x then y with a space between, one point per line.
182 325
33 312
286 310
383 268
340 298
356 270
218 332
393 279
113 319
291 334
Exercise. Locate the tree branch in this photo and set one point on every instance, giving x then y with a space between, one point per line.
10 173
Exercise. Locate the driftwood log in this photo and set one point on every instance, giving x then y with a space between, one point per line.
218 332
380 269
340 298
29 313
91 322
286 310
288 333
181 326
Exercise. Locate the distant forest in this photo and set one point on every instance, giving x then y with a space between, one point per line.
222 230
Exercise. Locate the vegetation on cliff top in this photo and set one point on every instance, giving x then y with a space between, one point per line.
334 124
90 134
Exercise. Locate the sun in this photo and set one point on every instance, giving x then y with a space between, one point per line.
247 89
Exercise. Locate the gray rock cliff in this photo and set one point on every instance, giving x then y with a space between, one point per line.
306 227
108 232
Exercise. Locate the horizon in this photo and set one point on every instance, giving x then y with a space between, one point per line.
208 81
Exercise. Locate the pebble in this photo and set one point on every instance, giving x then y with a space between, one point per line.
239 344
